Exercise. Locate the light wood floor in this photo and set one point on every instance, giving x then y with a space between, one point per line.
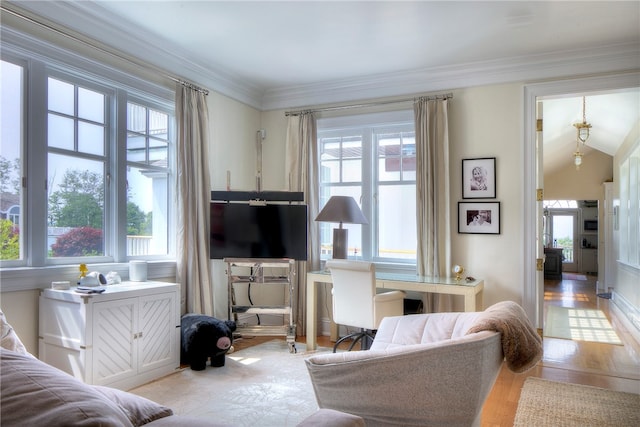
608 366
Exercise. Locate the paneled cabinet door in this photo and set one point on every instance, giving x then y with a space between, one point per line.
115 327
157 337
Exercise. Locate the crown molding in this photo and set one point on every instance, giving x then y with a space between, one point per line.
605 59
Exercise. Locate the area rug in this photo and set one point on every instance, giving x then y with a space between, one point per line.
573 276
579 324
545 403
264 385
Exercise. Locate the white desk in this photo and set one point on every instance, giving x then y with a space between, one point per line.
471 290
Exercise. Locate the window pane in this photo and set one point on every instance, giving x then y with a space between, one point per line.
61 97
389 169
352 148
136 118
11 161
136 148
330 149
158 124
409 158
148 147
75 207
60 132
147 212
352 171
397 157
397 231
90 138
330 171
90 105
158 152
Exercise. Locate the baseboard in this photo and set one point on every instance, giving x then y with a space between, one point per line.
627 313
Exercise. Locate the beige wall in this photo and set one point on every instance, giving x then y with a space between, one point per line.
21 309
487 122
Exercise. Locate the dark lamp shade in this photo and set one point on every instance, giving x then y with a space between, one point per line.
343 209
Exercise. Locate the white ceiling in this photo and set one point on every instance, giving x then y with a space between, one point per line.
299 53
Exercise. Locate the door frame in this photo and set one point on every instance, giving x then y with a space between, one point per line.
533 292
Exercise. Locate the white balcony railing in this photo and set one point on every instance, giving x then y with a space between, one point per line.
138 245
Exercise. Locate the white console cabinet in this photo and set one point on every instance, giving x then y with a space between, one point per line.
127 336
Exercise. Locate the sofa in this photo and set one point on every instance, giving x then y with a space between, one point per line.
427 369
34 393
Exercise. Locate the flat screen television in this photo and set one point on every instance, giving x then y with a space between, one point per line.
242 230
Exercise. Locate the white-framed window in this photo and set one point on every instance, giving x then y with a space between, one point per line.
12 95
93 156
372 158
77 169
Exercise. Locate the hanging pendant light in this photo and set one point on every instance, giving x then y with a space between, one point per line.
583 130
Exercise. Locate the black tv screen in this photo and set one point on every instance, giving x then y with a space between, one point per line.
240 230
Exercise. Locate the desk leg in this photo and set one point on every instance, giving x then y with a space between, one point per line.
473 302
479 301
312 315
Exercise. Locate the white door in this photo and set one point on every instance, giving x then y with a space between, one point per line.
114 347
563 227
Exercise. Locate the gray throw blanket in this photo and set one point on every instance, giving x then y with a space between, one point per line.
521 344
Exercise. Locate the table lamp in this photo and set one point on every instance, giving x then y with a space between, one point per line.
341 209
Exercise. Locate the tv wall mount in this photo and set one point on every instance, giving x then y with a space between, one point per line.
257 197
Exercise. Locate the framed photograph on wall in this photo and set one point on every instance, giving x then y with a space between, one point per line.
479 178
479 217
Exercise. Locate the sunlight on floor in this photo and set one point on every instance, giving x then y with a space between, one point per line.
591 325
559 296
245 360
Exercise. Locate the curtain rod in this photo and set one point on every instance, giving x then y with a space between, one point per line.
369 104
103 50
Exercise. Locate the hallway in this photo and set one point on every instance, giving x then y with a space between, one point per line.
579 291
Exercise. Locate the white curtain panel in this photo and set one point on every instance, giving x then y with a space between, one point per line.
433 194
193 195
301 169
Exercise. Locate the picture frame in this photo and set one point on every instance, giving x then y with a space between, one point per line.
479 178
479 217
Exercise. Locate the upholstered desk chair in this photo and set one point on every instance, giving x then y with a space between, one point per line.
356 303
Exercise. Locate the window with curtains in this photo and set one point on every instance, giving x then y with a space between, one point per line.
372 158
93 161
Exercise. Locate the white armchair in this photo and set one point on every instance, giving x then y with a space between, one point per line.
425 369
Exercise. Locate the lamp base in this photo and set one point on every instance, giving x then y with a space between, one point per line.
340 243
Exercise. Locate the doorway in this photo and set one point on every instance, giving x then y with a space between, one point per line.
533 293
